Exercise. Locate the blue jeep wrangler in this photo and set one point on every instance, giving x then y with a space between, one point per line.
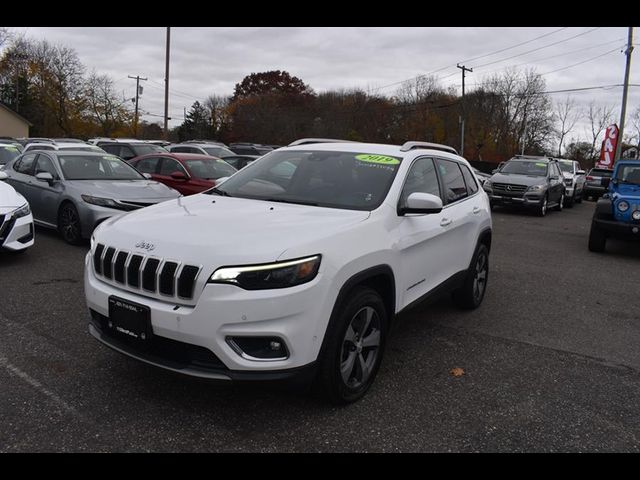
618 212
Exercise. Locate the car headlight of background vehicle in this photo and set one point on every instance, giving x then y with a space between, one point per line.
623 206
23 211
271 275
636 215
102 202
536 188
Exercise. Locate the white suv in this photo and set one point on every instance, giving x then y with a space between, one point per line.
294 267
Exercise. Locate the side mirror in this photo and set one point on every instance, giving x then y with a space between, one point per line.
178 176
45 177
419 202
580 172
605 181
3 175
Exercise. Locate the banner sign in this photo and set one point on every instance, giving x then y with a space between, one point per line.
608 149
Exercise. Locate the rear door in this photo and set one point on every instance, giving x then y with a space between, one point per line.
45 198
22 174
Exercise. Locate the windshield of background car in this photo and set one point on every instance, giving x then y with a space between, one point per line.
629 174
97 167
349 180
566 166
218 151
8 153
210 168
145 149
525 167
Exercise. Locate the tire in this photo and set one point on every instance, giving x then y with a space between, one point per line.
570 201
470 295
580 197
597 239
69 224
542 208
346 350
558 207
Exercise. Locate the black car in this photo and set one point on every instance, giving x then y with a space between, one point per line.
240 161
129 150
242 148
535 183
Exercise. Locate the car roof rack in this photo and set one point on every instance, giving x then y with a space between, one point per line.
307 141
433 146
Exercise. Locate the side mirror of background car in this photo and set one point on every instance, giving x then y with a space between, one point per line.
580 172
3 175
419 202
45 177
178 176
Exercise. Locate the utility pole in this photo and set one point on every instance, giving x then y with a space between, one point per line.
166 87
137 78
464 69
625 90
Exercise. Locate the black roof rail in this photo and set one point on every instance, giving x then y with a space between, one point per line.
307 141
432 146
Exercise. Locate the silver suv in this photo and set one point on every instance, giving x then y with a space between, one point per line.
574 179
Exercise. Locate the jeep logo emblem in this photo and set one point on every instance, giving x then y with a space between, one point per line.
145 246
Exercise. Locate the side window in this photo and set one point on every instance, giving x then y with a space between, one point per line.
112 149
453 182
420 178
169 165
180 149
148 165
26 164
126 153
469 179
232 161
45 165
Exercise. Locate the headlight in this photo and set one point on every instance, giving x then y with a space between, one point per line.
102 202
271 275
536 188
623 206
23 211
636 215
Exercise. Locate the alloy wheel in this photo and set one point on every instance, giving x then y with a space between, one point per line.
480 278
69 224
360 347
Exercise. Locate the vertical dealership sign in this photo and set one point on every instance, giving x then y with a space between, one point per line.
608 147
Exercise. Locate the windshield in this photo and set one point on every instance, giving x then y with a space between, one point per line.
566 166
8 153
349 180
97 167
209 168
629 174
146 148
525 167
218 151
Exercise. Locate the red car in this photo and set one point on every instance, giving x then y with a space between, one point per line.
186 172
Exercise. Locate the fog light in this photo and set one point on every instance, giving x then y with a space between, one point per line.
259 348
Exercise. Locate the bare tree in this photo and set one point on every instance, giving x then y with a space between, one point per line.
566 115
217 106
599 120
103 105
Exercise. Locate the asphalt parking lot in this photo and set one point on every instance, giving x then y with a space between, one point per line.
551 363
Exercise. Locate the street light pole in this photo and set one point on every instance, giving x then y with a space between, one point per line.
623 111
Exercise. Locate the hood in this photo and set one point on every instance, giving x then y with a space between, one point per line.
9 198
516 179
135 190
213 230
627 191
568 175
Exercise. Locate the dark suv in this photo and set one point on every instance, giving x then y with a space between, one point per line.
535 183
129 150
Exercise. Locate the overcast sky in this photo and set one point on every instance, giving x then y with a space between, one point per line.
212 60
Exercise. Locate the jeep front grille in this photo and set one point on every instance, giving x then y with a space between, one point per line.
147 274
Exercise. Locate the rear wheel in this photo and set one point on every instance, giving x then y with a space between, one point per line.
470 295
354 348
69 224
597 239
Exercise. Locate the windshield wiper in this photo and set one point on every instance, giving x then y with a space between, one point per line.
217 191
284 200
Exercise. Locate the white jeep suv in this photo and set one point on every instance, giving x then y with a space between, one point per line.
294 267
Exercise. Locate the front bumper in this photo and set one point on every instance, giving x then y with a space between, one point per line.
17 233
296 315
619 229
528 200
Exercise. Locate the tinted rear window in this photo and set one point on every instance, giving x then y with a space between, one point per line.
599 172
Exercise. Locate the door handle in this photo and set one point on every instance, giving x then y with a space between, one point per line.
476 209
445 221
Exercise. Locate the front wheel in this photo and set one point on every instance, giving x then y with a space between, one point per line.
354 348
69 224
470 295
542 208
560 203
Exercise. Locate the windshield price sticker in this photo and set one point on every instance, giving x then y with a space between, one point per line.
541 164
378 159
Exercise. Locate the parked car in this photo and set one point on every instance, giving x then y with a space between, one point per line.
594 186
27 140
242 148
574 180
535 183
68 140
127 149
272 276
240 161
617 213
8 152
12 142
186 172
75 191
211 149
16 221
160 143
75 146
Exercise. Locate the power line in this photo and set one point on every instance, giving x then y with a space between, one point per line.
580 63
